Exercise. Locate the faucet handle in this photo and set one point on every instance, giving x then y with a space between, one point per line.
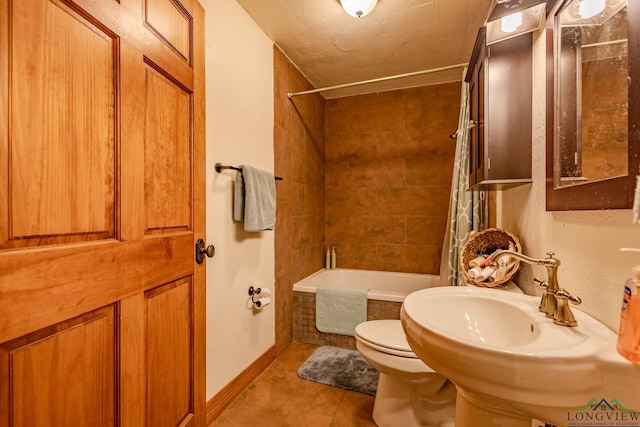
545 294
563 293
563 315
550 254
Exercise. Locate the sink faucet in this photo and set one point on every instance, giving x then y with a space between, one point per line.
555 300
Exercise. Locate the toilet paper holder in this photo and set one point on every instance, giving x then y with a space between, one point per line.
262 296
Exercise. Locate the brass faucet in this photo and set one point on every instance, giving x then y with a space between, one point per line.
555 300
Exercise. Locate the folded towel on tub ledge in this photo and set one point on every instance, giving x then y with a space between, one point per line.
340 310
255 199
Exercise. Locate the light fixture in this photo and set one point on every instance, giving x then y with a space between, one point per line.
590 8
512 18
510 23
358 8
590 12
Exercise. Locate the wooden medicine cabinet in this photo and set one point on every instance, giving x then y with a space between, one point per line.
499 77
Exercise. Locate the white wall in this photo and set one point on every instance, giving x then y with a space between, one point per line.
239 79
586 242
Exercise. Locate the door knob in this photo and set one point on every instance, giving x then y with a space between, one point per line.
202 250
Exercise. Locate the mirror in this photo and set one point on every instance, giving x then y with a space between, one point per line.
589 151
592 73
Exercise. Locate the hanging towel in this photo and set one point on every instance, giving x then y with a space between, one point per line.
259 199
340 310
238 198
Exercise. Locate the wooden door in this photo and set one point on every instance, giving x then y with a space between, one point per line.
101 202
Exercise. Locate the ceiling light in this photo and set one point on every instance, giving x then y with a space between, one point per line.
510 23
589 8
512 18
590 12
358 8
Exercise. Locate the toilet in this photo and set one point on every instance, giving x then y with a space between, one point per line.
409 392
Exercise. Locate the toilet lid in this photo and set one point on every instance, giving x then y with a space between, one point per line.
386 334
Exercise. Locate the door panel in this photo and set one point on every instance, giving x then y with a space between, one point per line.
101 202
167 142
64 374
61 184
172 23
169 316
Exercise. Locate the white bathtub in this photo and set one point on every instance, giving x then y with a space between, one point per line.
382 285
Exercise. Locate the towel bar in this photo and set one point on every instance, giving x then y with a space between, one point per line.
220 167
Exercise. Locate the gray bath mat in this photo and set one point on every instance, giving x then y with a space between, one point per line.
342 368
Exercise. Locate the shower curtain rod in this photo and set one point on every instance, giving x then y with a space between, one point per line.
380 79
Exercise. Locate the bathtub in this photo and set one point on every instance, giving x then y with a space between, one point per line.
382 285
387 291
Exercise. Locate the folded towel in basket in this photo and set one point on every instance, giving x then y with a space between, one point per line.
259 199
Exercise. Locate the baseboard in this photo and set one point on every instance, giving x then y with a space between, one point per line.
225 396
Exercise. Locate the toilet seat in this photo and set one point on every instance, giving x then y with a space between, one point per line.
386 336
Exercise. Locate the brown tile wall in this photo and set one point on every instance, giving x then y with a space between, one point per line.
388 169
304 320
378 191
299 158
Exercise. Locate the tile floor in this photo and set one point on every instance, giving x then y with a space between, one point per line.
279 398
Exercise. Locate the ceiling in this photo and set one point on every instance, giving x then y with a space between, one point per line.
399 36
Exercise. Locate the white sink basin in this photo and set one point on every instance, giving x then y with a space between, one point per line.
503 353
475 319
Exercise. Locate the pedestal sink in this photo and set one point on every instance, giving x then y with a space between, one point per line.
510 363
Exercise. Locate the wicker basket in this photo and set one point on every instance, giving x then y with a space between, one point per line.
479 243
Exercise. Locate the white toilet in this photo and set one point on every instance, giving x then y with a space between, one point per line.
409 393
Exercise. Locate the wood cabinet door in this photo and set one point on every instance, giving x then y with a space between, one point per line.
101 201
475 77
476 115
508 116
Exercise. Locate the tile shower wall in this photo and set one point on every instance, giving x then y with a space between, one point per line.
378 191
299 158
389 161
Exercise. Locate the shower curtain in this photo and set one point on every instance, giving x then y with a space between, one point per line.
464 205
